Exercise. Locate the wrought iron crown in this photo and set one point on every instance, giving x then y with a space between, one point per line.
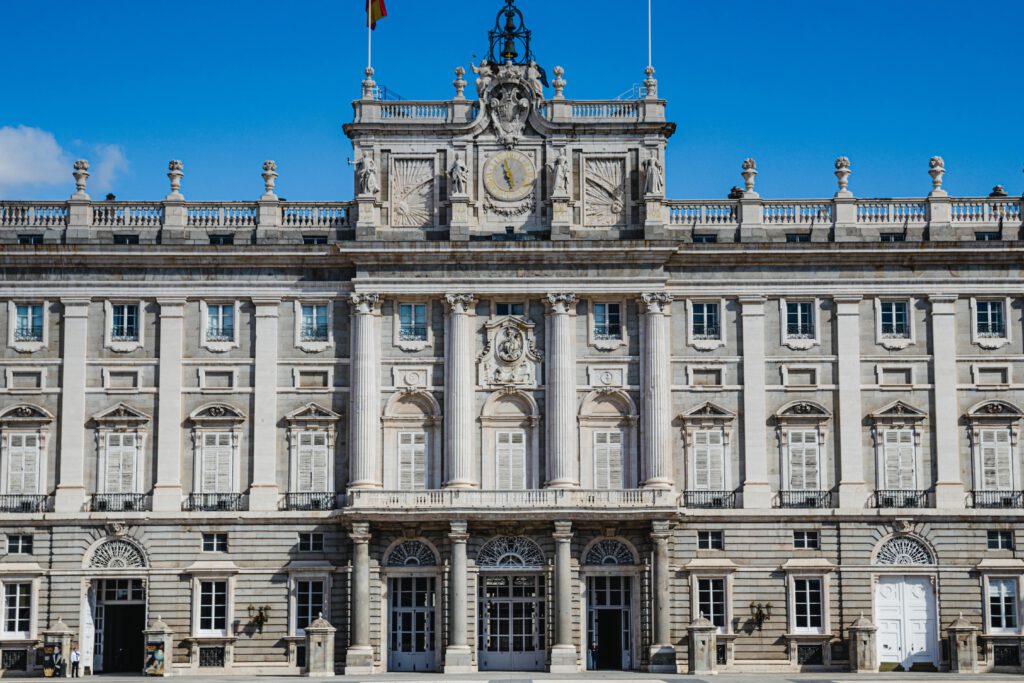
510 39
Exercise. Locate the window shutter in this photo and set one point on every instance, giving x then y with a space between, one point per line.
412 461
23 467
217 455
716 460
803 460
996 462
120 464
898 459
510 461
615 460
608 460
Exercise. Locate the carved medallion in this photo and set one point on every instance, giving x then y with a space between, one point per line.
510 357
508 105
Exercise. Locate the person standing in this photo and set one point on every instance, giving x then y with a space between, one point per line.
76 657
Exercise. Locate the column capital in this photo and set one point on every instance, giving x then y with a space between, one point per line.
847 298
661 531
364 303
942 304
656 302
172 307
563 531
460 304
360 532
752 304
459 532
266 307
77 307
561 303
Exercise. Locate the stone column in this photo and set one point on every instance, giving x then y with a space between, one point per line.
949 487
757 492
656 393
71 482
364 399
853 489
562 452
457 657
662 656
263 492
564 658
320 648
359 658
167 489
702 647
863 647
459 395
963 646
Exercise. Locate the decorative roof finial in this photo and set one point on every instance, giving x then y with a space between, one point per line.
269 178
843 174
508 35
175 174
937 169
81 174
749 173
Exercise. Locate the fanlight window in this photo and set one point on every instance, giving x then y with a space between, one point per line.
609 552
117 554
903 551
412 554
510 552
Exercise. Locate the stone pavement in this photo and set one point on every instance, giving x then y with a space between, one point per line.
587 677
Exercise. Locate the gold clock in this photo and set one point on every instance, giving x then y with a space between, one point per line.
509 175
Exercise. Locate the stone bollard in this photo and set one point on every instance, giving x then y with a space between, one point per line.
57 650
703 647
863 646
159 646
320 648
963 646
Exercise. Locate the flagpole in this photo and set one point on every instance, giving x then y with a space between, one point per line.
369 38
649 53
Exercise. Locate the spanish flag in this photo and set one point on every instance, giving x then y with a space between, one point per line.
375 11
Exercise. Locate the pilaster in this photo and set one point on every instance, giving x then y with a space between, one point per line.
563 452
459 399
662 656
71 483
458 658
167 489
949 486
853 490
365 396
263 494
656 383
359 657
757 491
564 657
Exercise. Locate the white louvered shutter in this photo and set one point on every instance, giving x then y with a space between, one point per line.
412 461
313 465
803 460
510 460
996 460
217 470
120 464
899 459
608 460
708 460
23 465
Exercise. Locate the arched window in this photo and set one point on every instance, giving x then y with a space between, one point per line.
609 551
510 441
607 437
510 552
412 554
412 434
117 553
903 550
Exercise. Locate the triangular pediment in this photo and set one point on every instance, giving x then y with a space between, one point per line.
898 410
708 411
121 413
312 412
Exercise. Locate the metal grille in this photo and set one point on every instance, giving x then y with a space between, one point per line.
211 657
1002 655
805 499
14 660
809 654
709 499
721 654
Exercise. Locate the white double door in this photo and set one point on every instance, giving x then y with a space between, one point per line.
906 618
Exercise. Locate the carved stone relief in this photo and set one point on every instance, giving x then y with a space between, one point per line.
510 357
605 192
412 193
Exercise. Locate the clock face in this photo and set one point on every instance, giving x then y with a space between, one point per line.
509 175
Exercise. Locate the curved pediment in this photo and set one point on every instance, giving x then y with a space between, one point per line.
994 411
217 413
25 414
802 411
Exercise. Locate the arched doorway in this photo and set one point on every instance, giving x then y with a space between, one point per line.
412 578
511 593
905 610
610 566
114 607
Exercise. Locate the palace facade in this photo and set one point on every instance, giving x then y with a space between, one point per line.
511 408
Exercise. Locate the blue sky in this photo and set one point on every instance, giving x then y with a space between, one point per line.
223 85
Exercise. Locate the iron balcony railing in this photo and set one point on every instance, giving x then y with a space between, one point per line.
310 500
997 499
805 499
314 333
413 333
901 498
215 502
23 503
608 332
28 333
800 331
118 502
896 331
706 332
709 499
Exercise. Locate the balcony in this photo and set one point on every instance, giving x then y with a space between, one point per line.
533 499
118 502
23 503
804 499
800 331
901 498
310 500
314 333
998 499
214 502
710 499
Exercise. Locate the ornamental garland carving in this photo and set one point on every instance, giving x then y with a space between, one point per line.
510 211
510 357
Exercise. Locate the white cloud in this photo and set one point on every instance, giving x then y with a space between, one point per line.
32 156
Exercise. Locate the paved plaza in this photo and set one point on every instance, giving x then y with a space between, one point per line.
519 677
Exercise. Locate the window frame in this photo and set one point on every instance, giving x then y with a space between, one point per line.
313 345
29 345
219 345
711 535
726 579
705 343
898 416
979 420
986 341
794 615
214 537
512 431
599 342
808 534
399 446
41 458
987 581
33 607
708 417
312 535
396 315
229 608
892 342
124 345
1000 534
525 303
294 578
800 343
21 545
312 418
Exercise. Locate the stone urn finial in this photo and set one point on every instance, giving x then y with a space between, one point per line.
369 85
843 173
749 173
175 174
459 83
269 178
559 83
81 174
936 169
651 83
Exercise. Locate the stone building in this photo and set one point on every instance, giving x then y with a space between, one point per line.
511 408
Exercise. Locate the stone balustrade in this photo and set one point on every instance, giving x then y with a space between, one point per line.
449 499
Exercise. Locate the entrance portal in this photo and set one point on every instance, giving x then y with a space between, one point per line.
608 603
411 646
119 617
511 627
905 614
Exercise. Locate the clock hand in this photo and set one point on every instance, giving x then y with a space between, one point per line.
508 175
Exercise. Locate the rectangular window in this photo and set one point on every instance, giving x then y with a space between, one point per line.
222 240
1002 604
311 542
705 323
412 461
126 239
314 239
996 460
19 544
220 322
807 605
125 323
217 470
895 320
215 543
898 460
213 607
121 456
510 460
501 308
413 321
798 237
804 465
314 322
17 609
309 602
704 238
30 239
711 601
892 237
708 460
607 321
312 471
1000 540
29 325
987 237
800 319
23 464
608 460
710 540
805 540
990 319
